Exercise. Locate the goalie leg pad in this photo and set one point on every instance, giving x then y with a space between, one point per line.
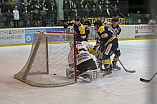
70 73
93 74
87 65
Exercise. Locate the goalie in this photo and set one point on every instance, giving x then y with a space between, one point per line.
86 67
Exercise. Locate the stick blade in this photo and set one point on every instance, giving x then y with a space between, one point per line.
130 71
144 80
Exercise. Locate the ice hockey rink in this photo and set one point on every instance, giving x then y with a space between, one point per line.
121 88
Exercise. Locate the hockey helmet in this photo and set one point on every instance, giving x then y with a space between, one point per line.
77 18
98 22
115 19
85 17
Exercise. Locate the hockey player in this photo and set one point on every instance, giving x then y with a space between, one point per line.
108 45
78 29
97 46
116 31
84 61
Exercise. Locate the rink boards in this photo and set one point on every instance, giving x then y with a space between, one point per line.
24 36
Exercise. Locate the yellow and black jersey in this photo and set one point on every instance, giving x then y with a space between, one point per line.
79 30
106 35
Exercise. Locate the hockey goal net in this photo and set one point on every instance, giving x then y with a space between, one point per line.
48 60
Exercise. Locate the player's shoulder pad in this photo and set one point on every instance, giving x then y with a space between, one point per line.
72 21
105 28
101 29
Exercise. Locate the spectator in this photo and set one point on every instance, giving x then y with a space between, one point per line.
65 5
115 2
9 18
36 17
138 12
71 3
100 12
93 11
66 10
152 13
37 6
79 6
24 5
43 6
100 4
77 2
107 12
87 11
81 11
107 2
43 10
44 18
95 2
103 2
75 9
138 16
26 17
52 9
116 11
29 7
152 21
16 17
72 13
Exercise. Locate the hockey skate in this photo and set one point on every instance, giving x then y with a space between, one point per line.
115 67
104 73
107 73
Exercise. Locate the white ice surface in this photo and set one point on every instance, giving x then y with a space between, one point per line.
121 88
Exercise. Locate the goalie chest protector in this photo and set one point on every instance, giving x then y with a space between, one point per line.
82 53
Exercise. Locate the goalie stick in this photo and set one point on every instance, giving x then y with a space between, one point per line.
147 80
129 71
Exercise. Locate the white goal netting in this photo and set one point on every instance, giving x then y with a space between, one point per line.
48 61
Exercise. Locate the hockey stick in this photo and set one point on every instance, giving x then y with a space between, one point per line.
147 80
129 71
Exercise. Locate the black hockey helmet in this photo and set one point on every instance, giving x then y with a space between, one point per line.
115 19
77 18
98 22
85 17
